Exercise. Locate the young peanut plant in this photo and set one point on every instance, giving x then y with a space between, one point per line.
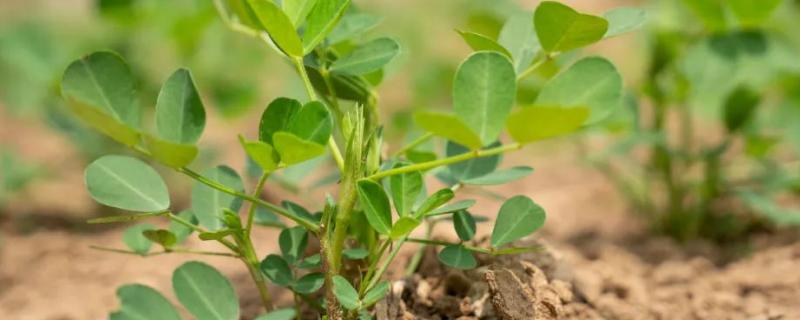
728 67
381 201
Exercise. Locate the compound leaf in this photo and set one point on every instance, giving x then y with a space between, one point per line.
205 292
276 117
277 270
126 183
313 122
293 242
456 256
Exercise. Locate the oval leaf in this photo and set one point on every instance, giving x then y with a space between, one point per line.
368 57
345 293
174 155
464 225
293 149
623 19
126 183
276 118
518 217
479 42
142 302
484 90
208 203
180 117
313 122
278 25
561 28
403 227
376 206
519 37
405 189
376 293
592 83
456 256
135 240
205 292
309 283
261 153
297 10
321 20
539 123
449 127
453 207
500 176
436 200
293 242
277 270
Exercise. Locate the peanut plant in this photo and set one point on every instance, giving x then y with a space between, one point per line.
381 203
729 68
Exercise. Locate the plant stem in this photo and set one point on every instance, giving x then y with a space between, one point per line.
311 226
533 67
417 258
418 141
446 161
251 211
385 265
172 250
445 243
190 225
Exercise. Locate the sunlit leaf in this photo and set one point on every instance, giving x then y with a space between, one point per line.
172 154
323 17
277 24
180 116
142 302
710 12
126 183
280 314
536 123
449 127
293 149
479 42
519 216
753 12
484 90
261 153
561 28
297 10
313 123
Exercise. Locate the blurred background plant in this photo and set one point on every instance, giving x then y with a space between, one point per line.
708 145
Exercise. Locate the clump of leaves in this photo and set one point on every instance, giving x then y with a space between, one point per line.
729 69
381 200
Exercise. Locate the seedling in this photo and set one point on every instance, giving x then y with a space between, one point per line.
729 78
381 201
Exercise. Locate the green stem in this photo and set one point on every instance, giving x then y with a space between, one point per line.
311 226
533 67
197 229
418 141
385 265
251 211
446 243
417 258
171 250
446 161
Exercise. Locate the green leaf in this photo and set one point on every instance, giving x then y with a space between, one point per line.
142 302
104 123
753 12
456 256
464 225
268 218
135 239
242 12
355 253
297 10
321 21
311 262
169 153
277 24
739 108
277 270
540 122
180 117
124 218
623 20
293 242
368 57
163 237
592 83
208 203
280 314
405 189
126 183
261 153
205 292
436 200
472 168
501 176
276 118
449 127
518 217
376 206
216 235
561 28
313 123
309 283
375 294
181 231
484 90
293 149
453 207
479 42
710 12
345 293
298 210
352 25
519 37
103 81
403 227
346 87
